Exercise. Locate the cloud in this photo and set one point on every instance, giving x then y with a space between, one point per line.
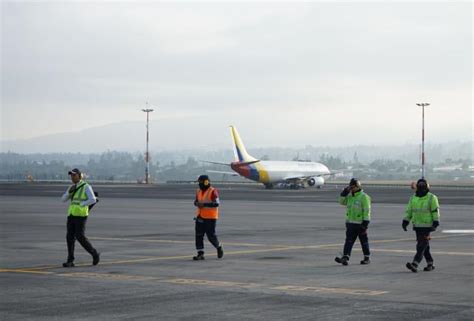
313 65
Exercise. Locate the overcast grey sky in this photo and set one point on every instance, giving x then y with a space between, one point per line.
345 73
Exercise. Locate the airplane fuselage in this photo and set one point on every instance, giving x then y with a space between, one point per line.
272 172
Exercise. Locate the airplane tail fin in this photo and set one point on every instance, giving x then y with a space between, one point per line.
240 152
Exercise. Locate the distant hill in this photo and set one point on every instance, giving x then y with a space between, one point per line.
210 140
125 136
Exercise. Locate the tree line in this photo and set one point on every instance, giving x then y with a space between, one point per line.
117 166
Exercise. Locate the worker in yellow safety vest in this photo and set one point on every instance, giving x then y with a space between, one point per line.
82 198
207 213
423 212
358 213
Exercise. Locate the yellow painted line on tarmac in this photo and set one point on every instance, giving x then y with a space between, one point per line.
24 271
204 282
147 259
107 276
138 240
286 248
175 241
225 284
230 253
143 259
153 258
328 290
36 268
178 257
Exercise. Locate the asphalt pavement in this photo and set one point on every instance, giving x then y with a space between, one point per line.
278 264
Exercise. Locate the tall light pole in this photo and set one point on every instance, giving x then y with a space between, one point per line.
147 155
423 105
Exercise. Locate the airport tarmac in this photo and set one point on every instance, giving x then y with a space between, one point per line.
278 265
248 192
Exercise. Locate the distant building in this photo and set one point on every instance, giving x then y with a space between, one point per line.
448 168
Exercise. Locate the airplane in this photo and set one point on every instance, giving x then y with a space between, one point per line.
291 174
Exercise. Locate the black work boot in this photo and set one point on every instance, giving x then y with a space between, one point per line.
365 261
96 258
199 256
220 252
412 267
68 264
344 260
429 267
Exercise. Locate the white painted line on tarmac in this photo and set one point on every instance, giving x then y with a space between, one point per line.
458 231
433 252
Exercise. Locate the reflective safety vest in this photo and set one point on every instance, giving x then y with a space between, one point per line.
75 208
358 207
205 197
422 211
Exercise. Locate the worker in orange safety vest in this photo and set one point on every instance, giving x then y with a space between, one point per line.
207 213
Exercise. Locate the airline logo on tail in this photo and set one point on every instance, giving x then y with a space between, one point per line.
240 152
246 165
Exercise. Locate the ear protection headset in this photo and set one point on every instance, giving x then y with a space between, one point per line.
204 180
422 184
355 182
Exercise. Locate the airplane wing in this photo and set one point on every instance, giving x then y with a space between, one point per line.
216 163
296 178
307 177
331 173
247 163
237 164
224 173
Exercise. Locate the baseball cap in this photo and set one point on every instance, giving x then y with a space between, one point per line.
74 171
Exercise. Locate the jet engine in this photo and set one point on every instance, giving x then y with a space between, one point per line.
316 181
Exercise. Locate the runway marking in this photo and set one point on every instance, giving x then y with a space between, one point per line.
174 241
459 231
147 259
435 252
413 238
329 290
263 245
106 276
230 253
222 284
24 271
213 283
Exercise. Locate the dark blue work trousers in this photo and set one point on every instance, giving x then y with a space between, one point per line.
354 231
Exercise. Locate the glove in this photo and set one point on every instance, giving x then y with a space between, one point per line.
71 189
405 224
346 191
365 225
435 226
